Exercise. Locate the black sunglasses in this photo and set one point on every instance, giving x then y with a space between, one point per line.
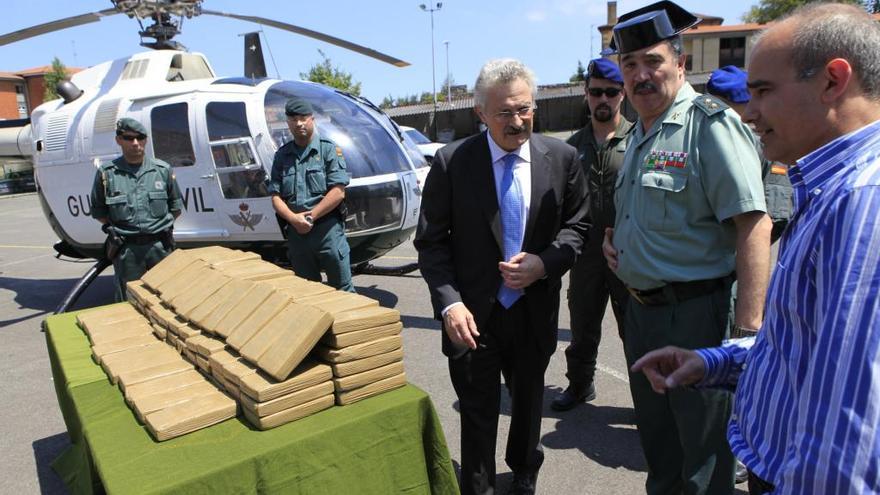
129 137
609 92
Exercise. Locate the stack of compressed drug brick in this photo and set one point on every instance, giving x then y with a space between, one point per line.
164 391
249 325
363 347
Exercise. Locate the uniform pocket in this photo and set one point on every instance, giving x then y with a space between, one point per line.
120 210
288 184
158 203
665 207
316 181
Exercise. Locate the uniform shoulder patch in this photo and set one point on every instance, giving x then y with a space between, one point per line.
338 151
710 105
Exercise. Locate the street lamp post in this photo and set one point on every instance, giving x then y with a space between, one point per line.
448 80
433 8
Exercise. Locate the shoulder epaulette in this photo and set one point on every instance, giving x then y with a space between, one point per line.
710 105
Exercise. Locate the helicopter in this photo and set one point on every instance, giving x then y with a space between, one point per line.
218 133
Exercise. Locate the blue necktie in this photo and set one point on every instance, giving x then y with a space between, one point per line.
511 224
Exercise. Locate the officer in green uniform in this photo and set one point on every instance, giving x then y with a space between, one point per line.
307 185
136 198
690 218
729 84
601 145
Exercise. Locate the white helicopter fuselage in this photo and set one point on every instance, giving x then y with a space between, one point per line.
217 134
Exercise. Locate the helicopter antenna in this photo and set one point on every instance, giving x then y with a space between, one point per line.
272 57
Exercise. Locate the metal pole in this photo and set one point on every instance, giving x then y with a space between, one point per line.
448 80
431 10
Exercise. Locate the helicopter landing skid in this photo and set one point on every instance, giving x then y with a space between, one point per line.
393 271
80 286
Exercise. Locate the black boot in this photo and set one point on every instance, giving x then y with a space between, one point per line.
573 396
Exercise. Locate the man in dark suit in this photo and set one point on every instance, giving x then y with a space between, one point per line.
503 217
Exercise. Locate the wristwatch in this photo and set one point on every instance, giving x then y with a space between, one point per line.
310 220
739 331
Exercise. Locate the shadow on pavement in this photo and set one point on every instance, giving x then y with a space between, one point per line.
47 450
386 298
605 434
43 296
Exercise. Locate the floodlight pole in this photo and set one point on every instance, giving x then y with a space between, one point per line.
448 81
431 10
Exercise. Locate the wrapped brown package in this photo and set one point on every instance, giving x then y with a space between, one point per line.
190 416
361 365
292 399
288 415
360 319
133 377
147 404
204 288
177 284
99 351
291 347
261 387
162 383
359 351
360 336
351 382
375 388
242 309
137 358
170 266
261 316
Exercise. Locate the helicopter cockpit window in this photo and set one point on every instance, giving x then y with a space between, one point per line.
188 66
170 135
367 146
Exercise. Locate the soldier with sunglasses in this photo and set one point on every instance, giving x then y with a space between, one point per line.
136 199
601 146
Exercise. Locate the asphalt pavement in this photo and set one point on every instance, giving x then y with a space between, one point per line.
592 449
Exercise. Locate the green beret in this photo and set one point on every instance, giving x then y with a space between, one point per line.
131 125
298 106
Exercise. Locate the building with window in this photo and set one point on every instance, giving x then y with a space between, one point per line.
22 91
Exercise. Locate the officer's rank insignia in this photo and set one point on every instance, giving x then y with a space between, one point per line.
660 160
338 151
159 184
245 219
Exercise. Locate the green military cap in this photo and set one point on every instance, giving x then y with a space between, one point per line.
130 125
298 106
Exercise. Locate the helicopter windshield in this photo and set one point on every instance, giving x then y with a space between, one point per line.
368 148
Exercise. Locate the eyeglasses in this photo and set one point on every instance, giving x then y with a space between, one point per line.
129 137
609 92
507 115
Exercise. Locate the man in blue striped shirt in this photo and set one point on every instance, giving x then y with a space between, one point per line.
807 409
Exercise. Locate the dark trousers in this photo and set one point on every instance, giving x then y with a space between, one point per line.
683 432
132 261
506 345
591 283
758 486
322 248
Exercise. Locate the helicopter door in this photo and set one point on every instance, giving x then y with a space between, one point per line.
245 209
172 142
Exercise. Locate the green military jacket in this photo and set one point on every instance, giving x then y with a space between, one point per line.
137 199
601 163
682 182
303 176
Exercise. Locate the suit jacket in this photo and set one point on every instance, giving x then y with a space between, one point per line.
459 233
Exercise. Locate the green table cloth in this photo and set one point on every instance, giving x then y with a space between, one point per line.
391 443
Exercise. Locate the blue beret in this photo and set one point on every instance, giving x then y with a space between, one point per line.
729 82
602 68
130 125
298 106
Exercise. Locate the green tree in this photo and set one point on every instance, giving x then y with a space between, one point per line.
57 74
873 7
331 75
387 102
580 74
770 10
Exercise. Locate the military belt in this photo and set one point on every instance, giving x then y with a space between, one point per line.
680 291
144 238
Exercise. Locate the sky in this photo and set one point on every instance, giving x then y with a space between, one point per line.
550 36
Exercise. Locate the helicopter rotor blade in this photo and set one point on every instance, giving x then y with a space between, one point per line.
313 34
57 25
